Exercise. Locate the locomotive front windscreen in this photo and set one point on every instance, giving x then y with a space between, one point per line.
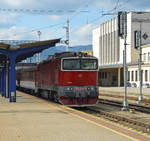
80 64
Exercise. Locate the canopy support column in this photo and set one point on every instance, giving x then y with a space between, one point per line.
1 81
12 79
4 81
7 80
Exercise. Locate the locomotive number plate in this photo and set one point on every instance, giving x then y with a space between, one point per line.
80 88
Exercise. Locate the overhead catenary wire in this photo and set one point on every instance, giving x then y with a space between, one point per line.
40 28
39 11
49 11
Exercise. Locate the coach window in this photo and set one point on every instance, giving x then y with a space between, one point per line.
132 75
146 75
128 75
136 75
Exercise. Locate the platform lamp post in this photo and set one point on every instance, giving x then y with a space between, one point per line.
38 55
138 43
122 31
140 98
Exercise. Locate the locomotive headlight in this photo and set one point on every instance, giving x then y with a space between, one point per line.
88 88
92 88
69 88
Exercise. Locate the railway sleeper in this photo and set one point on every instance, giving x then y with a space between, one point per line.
145 128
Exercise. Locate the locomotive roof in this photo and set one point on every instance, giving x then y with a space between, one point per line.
67 54
71 54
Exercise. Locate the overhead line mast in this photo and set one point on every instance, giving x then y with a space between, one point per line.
67 35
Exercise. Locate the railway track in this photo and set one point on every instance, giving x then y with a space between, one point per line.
137 107
125 121
120 119
133 98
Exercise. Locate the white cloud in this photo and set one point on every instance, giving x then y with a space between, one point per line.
8 19
13 2
147 10
15 33
20 3
65 5
54 17
70 4
83 35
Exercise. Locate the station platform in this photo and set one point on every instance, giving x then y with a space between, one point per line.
35 119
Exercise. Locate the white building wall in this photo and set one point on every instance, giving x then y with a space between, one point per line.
129 37
107 36
135 68
146 52
96 43
145 66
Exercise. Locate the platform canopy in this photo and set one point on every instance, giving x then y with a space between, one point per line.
12 54
25 50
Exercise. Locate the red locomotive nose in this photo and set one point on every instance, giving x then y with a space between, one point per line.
79 75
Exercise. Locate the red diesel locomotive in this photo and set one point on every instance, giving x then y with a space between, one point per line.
69 77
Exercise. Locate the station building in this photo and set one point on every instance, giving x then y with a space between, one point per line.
133 73
108 46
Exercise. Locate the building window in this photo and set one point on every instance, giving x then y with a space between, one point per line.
105 75
142 75
136 75
99 75
114 78
144 57
102 75
132 76
128 75
148 56
146 75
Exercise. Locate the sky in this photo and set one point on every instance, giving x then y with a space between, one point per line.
22 19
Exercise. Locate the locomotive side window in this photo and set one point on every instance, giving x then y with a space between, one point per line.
80 64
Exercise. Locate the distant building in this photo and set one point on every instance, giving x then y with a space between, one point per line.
133 73
108 46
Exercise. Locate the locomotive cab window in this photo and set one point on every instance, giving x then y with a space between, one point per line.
80 64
